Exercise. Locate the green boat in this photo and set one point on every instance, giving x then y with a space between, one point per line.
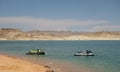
36 52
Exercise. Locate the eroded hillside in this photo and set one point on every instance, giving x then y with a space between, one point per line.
17 34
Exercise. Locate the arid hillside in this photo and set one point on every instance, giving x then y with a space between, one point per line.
17 34
12 34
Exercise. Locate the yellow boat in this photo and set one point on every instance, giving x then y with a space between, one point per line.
36 52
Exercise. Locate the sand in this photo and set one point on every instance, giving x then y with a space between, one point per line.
13 64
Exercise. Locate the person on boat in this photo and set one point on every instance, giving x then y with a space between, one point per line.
87 51
38 50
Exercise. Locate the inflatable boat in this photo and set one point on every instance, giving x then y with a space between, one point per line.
36 52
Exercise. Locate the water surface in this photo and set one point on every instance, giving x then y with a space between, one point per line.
107 57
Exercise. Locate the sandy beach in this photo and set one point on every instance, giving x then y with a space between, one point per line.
13 64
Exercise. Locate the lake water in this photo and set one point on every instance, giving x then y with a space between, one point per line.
60 54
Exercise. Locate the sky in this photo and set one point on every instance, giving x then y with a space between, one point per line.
60 15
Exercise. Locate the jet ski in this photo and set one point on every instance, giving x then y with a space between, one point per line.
84 53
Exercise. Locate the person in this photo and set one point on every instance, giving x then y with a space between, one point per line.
38 50
87 51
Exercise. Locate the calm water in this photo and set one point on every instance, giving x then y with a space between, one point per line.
107 57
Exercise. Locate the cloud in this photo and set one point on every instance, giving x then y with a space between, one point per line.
47 24
105 28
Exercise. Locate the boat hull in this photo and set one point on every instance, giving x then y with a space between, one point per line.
82 54
38 53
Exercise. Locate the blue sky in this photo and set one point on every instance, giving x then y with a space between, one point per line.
65 15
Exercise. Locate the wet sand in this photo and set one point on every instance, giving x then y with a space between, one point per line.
13 64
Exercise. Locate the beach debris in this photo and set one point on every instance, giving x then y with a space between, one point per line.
49 69
47 66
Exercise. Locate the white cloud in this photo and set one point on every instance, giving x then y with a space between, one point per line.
105 28
48 24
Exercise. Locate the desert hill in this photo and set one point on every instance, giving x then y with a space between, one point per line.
17 34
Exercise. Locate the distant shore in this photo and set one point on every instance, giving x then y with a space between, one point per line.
70 38
17 34
13 64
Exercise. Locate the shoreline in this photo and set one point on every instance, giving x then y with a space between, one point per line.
18 34
18 49
68 40
10 63
14 64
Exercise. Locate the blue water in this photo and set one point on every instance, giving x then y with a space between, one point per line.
107 58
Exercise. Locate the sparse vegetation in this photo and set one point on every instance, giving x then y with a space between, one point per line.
17 34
